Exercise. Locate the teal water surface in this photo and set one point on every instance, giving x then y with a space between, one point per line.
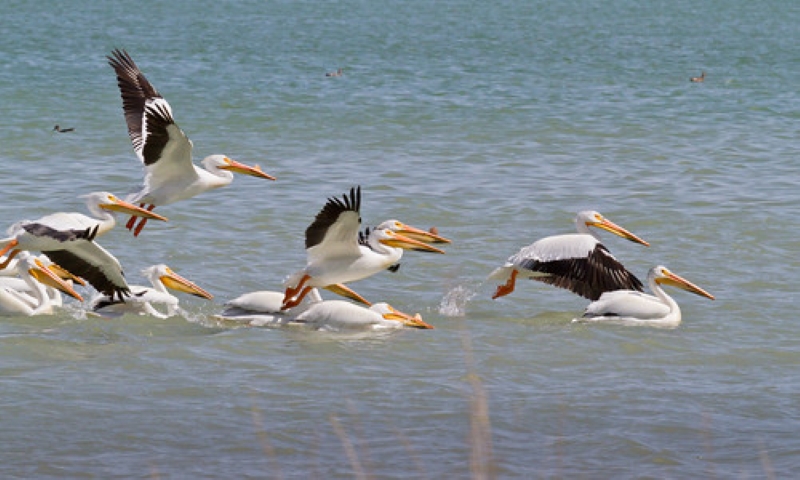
493 121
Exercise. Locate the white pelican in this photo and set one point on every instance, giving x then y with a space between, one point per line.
163 148
142 299
102 205
10 278
577 262
335 254
637 308
431 236
263 308
74 250
35 300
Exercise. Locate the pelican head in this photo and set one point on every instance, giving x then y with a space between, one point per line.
222 162
663 276
591 218
173 281
38 270
412 232
109 201
398 240
392 314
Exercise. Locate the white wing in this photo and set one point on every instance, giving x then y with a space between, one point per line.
334 231
557 247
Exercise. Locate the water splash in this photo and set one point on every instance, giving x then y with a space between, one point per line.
455 301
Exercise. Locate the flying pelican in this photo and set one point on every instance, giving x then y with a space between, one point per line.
577 262
67 239
335 254
102 205
35 300
637 308
163 148
264 308
141 300
74 249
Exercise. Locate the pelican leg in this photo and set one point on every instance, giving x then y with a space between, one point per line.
291 292
293 302
132 220
13 243
508 287
142 222
10 257
139 228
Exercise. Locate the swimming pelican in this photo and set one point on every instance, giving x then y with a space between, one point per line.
102 205
34 300
576 262
637 308
263 308
163 148
335 254
142 299
10 278
430 236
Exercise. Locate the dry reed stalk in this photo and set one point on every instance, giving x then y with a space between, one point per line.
480 439
358 470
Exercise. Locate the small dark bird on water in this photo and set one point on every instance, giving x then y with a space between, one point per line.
337 73
699 79
62 130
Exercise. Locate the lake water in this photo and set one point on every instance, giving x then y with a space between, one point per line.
493 121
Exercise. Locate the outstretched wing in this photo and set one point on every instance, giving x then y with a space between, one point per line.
578 263
335 229
159 143
90 261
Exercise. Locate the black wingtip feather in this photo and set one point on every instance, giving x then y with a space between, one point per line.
588 277
329 214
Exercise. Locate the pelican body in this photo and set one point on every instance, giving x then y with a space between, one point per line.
337 253
263 308
637 308
577 262
141 301
68 240
34 298
163 148
11 278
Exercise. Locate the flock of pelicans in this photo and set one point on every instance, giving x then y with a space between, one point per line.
39 259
